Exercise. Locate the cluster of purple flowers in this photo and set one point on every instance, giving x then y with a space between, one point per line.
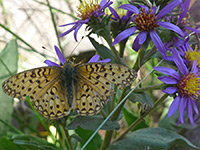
147 23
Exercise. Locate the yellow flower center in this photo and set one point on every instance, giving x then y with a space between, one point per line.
193 55
189 85
146 22
87 8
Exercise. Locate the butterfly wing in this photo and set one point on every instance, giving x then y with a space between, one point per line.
96 78
42 85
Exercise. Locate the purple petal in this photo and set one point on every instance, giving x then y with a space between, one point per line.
179 62
168 80
105 60
167 9
103 2
140 39
185 7
50 63
114 13
123 35
60 55
158 43
172 27
68 31
136 46
170 90
75 32
95 58
182 109
195 107
190 112
174 106
168 71
194 67
192 29
68 24
130 8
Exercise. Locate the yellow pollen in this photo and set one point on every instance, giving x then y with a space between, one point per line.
193 55
146 22
189 85
87 8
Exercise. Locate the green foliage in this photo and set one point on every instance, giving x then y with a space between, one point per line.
153 139
8 67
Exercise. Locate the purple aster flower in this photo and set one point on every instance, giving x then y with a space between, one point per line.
62 59
146 21
183 19
86 10
184 49
186 85
117 16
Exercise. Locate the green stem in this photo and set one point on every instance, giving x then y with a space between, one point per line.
58 10
122 46
141 118
5 14
109 41
67 137
108 135
54 25
149 88
6 67
140 59
19 38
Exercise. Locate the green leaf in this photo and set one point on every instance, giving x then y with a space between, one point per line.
94 144
142 97
8 65
130 118
92 123
25 142
103 51
153 139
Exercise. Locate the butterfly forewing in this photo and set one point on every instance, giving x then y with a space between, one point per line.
95 87
42 85
54 91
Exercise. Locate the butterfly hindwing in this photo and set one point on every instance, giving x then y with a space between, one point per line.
87 100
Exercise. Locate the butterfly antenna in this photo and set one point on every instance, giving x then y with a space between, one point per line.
76 46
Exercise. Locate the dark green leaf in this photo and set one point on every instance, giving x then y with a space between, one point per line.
94 144
25 142
153 139
8 65
103 51
141 97
92 123
130 118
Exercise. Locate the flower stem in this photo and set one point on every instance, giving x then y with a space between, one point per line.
141 118
139 60
67 136
54 25
149 88
108 135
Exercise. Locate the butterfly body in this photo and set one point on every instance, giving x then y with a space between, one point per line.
68 76
55 91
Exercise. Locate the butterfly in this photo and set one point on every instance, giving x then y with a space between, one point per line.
54 91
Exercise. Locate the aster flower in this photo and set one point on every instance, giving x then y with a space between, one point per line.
120 15
183 19
186 85
62 59
185 50
147 21
87 9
